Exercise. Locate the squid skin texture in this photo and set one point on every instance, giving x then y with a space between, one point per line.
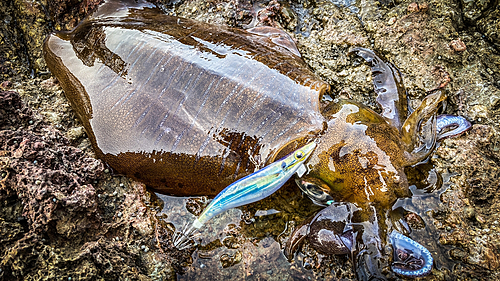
189 108
185 107
388 85
329 231
330 238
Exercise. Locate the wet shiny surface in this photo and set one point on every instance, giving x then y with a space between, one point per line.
256 186
189 108
185 107
360 160
264 229
360 157
243 243
410 258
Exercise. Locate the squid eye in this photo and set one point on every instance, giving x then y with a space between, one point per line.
283 165
299 154
318 194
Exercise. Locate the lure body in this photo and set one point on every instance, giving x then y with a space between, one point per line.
190 108
256 186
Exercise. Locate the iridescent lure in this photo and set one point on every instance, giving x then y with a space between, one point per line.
253 188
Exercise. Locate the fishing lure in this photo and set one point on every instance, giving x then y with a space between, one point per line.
251 188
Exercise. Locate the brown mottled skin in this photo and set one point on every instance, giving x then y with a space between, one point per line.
183 106
360 157
220 106
188 108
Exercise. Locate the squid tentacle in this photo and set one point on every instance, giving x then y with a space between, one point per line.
388 85
411 259
450 125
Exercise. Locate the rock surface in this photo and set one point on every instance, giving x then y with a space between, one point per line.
63 214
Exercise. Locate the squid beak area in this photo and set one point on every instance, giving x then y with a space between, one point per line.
411 259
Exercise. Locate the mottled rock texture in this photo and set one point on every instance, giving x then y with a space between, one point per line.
63 216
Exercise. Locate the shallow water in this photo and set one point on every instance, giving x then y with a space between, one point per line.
415 41
424 202
247 242
226 248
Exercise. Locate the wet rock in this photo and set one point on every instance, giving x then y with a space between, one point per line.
413 8
458 45
458 254
481 252
196 205
14 61
267 15
414 221
490 25
227 260
51 216
75 133
26 25
6 85
47 205
473 196
473 9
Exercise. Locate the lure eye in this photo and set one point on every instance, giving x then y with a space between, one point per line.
283 165
299 155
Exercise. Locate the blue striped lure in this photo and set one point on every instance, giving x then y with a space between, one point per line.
252 188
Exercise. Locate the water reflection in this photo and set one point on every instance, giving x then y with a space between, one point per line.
243 243
246 243
427 187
